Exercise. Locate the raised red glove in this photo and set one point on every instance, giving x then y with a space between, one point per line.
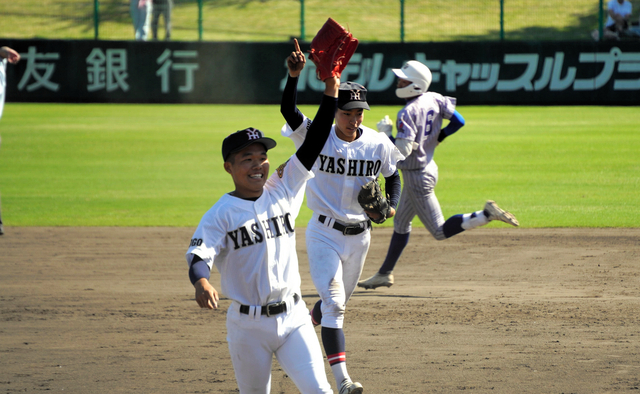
331 49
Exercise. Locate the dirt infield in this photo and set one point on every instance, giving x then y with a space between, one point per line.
111 310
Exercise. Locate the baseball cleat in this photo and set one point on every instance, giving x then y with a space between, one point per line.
377 280
494 212
349 387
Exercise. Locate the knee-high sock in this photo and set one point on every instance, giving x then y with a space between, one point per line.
473 220
334 346
453 226
396 246
459 223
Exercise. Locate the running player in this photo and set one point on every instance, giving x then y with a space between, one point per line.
249 235
338 234
420 130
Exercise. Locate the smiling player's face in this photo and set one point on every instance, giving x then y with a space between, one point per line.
249 169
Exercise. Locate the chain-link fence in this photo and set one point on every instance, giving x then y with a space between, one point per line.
279 20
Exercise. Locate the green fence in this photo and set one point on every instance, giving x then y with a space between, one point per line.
279 20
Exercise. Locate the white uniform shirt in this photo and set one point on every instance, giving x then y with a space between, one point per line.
421 121
622 9
253 244
343 168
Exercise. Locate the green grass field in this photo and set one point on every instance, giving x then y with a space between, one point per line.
278 20
160 165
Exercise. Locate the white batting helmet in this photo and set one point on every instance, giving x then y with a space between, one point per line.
418 74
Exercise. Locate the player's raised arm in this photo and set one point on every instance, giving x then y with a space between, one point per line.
295 63
321 126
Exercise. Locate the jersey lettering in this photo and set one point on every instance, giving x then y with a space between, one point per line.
331 168
362 164
353 168
286 222
255 228
196 242
234 237
246 239
274 227
370 166
358 167
376 168
323 160
268 232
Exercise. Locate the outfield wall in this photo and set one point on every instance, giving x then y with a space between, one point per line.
507 73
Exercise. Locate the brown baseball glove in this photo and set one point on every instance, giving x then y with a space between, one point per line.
331 49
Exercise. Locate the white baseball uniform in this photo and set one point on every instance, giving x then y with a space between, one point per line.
252 244
335 259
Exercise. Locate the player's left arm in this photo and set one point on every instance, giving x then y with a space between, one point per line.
199 274
205 245
392 186
455 123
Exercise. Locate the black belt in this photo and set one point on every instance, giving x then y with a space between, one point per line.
347 230
271 309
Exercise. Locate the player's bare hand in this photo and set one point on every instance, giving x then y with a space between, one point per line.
373 215
378 215
11 55
296 61
392 212
206 295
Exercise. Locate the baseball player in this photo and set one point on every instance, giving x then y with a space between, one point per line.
420 130
249 235
338 234
13 57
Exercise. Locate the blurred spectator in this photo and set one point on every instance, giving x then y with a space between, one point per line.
6 55
162 7
618 20
140 13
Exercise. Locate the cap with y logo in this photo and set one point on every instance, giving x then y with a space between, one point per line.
243 138
352 95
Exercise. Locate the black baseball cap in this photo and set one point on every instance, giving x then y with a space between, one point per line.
243 138
352 95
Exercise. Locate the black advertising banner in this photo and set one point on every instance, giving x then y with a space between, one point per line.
476 73
511 73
